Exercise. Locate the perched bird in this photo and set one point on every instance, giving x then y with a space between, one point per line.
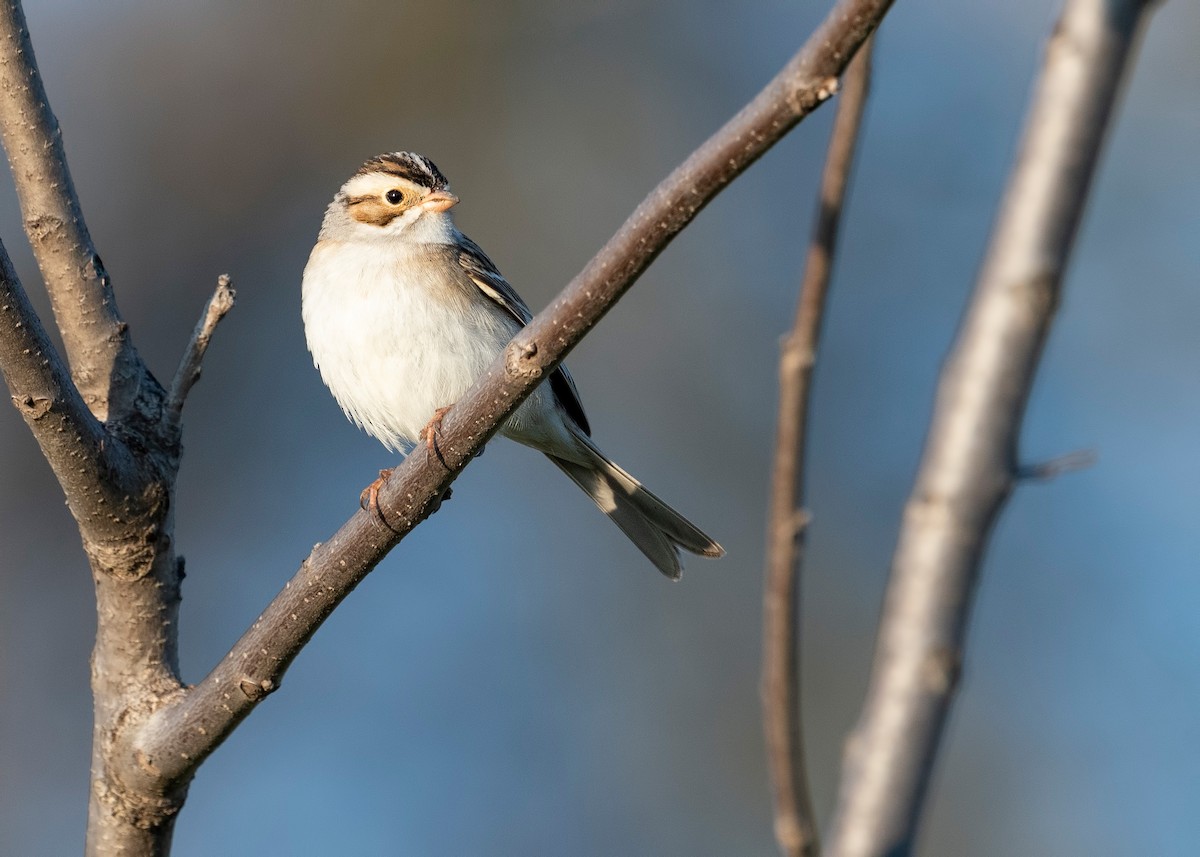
403 312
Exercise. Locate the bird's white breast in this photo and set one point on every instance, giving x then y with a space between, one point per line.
394 340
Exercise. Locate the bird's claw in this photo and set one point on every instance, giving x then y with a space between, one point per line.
368 500
432 430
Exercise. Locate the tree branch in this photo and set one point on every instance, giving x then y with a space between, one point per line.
123 522
193 355
970 457
41 389
102 428
795 822
104 364
172 742
107 488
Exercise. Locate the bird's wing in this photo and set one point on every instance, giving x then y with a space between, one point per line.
491 283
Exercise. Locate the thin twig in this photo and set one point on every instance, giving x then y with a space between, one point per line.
1071 462
188 373
175 739
970 457
795 822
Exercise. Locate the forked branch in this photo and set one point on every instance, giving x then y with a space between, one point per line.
970 458
41 389
103 362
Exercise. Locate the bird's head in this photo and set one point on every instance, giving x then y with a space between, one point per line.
399 194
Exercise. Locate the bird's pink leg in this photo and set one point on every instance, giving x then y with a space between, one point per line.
369 498
432 430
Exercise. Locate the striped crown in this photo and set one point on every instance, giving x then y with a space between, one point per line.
410 166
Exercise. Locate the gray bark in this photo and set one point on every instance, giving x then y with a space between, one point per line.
970 459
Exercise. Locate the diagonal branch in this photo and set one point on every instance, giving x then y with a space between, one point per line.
106 485
71 438
104 364
174 740
970 457
42 390
795 822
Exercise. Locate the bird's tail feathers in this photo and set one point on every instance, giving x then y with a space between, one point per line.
657 529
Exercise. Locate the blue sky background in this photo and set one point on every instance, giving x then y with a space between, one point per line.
515 679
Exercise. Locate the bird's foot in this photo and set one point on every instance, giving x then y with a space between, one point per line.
432 430
368 500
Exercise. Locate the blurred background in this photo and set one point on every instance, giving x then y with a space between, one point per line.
515 678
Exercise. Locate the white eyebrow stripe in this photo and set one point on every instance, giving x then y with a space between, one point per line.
376 184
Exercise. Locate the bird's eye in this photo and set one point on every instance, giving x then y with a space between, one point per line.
394 197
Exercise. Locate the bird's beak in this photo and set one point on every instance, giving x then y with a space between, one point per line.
439 200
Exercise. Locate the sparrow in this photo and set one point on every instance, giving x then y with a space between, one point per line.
402 313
